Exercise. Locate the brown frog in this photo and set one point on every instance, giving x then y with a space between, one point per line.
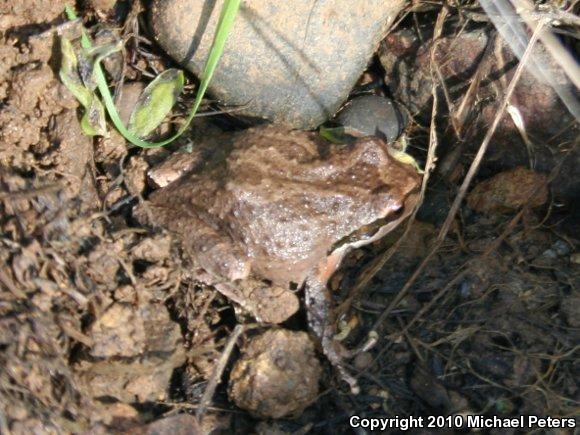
269 210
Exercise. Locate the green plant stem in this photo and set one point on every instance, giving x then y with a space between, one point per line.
226 21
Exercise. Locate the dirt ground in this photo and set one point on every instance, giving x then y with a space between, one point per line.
104 330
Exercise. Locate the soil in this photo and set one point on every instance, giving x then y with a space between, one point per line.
103 329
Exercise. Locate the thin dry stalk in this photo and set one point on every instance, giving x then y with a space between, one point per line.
552 44
379 263
465 185
506 17
460 115
218 372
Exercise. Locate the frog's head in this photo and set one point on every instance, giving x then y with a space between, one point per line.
384 190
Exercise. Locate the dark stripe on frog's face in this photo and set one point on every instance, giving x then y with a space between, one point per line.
367 231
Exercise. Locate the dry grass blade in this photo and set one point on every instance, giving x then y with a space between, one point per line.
466 183
218 371
507 21
225 23
460 115
562 56
378 264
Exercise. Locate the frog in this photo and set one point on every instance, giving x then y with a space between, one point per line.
269 211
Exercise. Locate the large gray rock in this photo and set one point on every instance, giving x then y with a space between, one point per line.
286 61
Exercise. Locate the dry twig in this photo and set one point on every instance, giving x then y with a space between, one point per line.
464 187
218 372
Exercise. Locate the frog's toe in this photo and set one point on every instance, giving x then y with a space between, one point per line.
329 347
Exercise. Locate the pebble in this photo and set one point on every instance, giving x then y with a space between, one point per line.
508 191
277 374
372 115
291 62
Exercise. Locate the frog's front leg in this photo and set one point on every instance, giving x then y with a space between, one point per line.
321 322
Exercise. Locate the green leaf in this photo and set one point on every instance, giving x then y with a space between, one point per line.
333 134
405 158
86 69
226 21
93 122
155 102
339 134
90 57
69 74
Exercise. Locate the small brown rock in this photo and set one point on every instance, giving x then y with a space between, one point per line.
137 348
113 196
270 304
277 375
508 191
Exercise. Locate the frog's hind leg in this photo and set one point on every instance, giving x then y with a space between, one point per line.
318 309
338 362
